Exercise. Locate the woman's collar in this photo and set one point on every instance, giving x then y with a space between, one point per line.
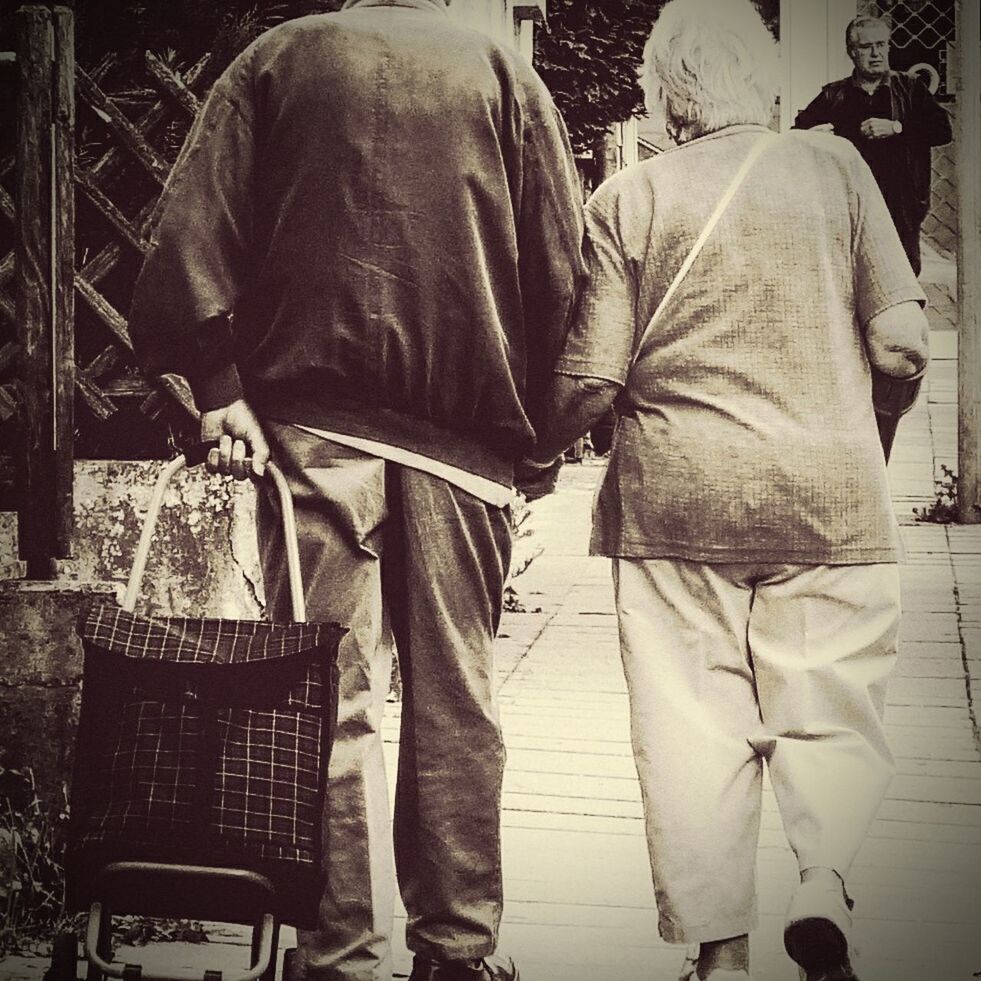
716 134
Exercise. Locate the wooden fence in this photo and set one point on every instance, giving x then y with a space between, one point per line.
64 342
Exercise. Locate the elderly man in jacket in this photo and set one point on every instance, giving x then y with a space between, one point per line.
367 257
893 120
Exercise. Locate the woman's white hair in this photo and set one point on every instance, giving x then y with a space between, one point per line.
709 64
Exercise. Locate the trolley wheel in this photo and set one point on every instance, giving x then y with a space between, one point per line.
64 958
289 964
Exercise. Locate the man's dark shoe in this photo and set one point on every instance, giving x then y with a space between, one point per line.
493 968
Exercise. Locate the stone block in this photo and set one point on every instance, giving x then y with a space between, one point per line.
203 559
37 730
38 643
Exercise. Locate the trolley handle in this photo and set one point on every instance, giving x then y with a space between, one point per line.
150 524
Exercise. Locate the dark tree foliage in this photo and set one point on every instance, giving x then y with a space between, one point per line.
126 29
180 31
190 28
589 57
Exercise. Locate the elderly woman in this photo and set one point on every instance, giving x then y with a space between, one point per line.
745 505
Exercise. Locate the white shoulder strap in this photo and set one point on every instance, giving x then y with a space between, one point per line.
758 147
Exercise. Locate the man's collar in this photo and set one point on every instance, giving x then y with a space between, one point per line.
433 6
884 80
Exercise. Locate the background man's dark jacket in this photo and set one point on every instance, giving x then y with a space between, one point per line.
900 163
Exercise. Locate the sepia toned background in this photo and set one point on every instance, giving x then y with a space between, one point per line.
95 100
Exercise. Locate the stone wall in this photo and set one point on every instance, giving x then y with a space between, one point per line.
203 559
203 562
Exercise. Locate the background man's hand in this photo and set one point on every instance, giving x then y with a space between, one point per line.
877 129
239 436
823 128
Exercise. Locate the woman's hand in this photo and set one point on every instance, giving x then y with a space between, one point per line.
240 439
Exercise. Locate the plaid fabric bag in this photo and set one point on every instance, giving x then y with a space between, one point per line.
204 742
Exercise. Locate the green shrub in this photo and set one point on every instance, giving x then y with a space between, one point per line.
944 508
32 844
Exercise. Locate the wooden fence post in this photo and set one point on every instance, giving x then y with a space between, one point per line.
969 260
45 283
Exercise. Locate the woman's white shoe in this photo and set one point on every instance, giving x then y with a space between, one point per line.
818 925
689 970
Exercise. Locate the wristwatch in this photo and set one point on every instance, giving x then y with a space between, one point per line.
897 127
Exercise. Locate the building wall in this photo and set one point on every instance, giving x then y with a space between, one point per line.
510 22
488 16
812 50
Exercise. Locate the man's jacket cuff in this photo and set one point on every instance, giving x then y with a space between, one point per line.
217 387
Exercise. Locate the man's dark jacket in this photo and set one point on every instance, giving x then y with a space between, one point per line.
902 170
386 205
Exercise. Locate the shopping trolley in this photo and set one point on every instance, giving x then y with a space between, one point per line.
200 769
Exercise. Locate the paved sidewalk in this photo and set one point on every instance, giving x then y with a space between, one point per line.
579 899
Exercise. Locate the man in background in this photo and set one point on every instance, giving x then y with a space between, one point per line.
365 265
893 120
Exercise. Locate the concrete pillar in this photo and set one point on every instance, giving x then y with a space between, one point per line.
628 143
968 137
525 36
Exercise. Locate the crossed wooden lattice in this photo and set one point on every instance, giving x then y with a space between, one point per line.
99 384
